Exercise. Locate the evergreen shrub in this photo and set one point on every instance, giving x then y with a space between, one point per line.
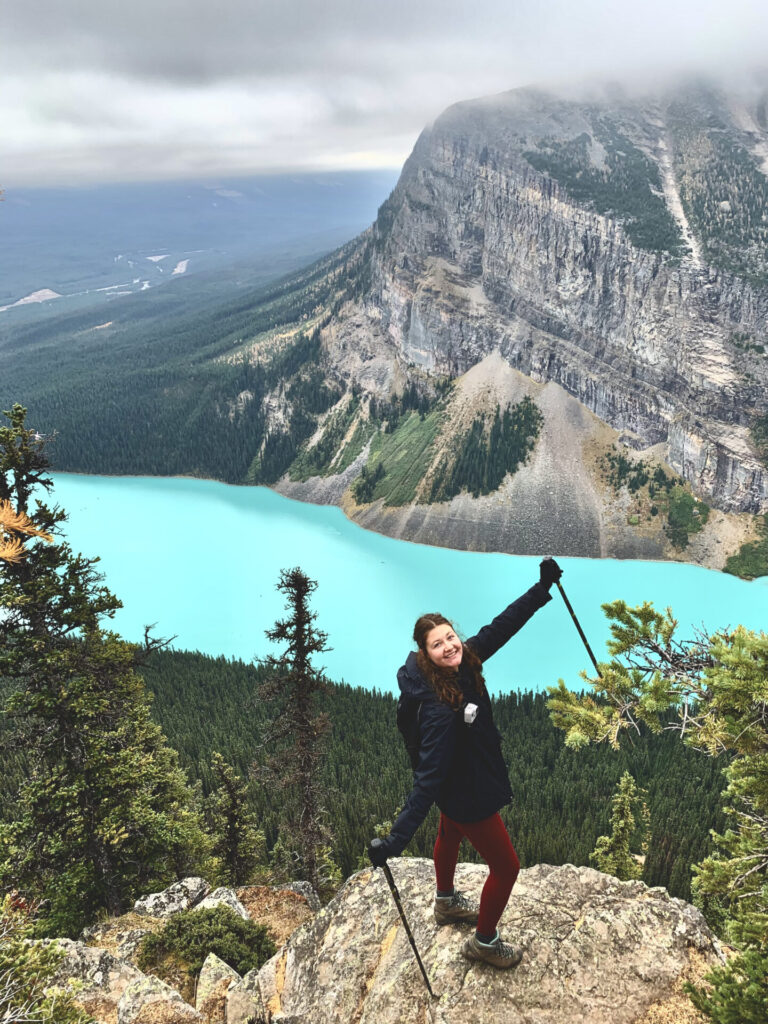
189 936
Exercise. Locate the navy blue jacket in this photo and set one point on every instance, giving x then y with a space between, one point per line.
461 767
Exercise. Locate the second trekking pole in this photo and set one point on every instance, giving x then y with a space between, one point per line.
396 897
577 624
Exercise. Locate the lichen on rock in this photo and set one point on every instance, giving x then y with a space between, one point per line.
596 950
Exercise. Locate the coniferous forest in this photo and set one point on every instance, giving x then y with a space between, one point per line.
561 797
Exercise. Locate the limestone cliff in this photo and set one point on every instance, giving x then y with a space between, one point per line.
616 248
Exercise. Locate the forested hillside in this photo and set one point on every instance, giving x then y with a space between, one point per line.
562 797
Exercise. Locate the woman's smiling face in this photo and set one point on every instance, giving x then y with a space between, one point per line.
443 647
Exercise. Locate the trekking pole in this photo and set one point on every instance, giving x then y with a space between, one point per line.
577 624
396 897
408 932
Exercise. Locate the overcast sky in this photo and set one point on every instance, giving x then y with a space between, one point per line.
100 90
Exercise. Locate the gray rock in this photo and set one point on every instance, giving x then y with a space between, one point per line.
179 896
596 950
150 1001
244 1000
100 979
224 897
212 984
125 942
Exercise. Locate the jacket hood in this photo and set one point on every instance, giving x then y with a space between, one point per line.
411 681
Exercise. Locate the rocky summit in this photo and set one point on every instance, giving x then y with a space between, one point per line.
596 950
616 248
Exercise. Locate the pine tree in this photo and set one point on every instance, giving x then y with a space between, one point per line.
236 842
714 691
612 853
297 730
105 811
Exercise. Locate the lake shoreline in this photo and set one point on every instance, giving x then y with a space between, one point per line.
374 518
153 538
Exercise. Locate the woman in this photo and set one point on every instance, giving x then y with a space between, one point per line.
461 768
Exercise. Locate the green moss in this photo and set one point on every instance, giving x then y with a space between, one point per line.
752 558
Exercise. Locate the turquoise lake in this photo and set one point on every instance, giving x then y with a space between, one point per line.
201 560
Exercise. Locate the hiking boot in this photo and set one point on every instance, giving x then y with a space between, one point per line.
496 953
456 908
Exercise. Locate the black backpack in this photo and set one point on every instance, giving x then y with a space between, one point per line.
408 715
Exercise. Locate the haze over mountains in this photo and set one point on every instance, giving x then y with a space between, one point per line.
590 275
92 244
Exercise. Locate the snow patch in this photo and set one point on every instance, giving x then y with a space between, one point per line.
156 259
180 267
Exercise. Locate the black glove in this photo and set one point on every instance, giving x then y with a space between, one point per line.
378 851
549 572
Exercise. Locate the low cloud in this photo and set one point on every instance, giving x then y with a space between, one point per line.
96 89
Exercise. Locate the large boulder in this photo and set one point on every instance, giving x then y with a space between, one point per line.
244 1000
97 979
179 896
597 951
224 897
122 935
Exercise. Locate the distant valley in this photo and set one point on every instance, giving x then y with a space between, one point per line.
73 248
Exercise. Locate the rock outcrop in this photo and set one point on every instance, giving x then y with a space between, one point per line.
223 897
213 984
98 978
597 951
101 973
150 1001
179 896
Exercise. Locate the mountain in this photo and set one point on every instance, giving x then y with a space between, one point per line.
615 248
553 338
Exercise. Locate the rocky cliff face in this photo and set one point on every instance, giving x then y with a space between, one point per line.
615 249
596 950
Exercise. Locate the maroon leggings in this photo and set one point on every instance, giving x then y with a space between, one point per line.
490 839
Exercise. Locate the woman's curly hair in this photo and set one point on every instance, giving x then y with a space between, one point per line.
443 681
